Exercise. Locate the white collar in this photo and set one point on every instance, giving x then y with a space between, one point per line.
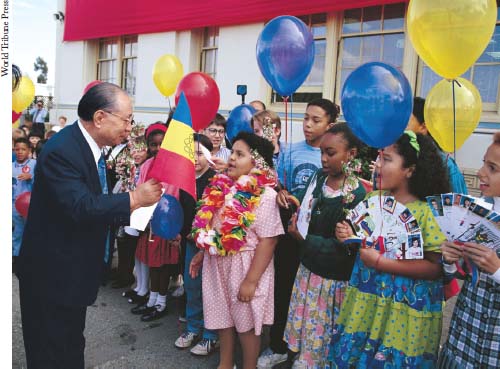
496 204
96 151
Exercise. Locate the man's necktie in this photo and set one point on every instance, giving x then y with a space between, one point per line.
101 165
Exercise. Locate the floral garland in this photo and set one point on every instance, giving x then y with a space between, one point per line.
124 164
351 169
238 200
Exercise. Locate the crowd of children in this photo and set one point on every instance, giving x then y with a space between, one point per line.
249 259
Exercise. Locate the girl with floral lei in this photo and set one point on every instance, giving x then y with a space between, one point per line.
475 325
391 316
325 262
237 227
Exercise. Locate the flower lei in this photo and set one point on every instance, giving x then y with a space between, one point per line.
123 164
350 169
238 200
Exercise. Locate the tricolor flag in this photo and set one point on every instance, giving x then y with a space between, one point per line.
174 163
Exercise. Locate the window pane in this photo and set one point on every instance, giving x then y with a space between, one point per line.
129 77
319 30
352 21
315 78
210 60
352 52
371 49
394 16
486 81
372 18
394 46
492 52
211 37
107 71
108 49
429 79
344 73
130 46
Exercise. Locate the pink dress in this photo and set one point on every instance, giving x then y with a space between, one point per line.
151 249
222 277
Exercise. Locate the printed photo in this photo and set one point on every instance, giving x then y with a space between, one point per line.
435 205
389 204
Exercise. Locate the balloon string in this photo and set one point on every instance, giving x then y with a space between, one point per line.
291 130
285 168
454 122
380 193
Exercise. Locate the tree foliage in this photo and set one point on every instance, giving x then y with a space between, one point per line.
41 65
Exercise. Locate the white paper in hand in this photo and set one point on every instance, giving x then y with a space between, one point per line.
140 217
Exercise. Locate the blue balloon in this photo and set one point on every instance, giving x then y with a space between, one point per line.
168 218
285 53
377 103
239 120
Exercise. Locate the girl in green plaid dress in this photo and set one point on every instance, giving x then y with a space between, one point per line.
474 336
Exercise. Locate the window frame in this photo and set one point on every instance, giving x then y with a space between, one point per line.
381 32
119 78
487 108
204 50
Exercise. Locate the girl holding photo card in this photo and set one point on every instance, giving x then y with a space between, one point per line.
392 312
325 262
473 338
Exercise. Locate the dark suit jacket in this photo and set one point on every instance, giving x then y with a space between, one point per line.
64 239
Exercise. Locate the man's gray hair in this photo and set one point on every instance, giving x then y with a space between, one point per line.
100 97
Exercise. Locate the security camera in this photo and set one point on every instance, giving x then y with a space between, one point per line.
59 16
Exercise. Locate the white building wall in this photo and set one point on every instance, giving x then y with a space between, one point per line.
237 65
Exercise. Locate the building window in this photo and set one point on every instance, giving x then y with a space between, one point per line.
312 88
117 62
209 48
370 34
484 74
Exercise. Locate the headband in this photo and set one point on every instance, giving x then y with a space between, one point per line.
413 141
155 127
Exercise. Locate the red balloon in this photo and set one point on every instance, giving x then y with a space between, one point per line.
22 204
90 85
15 116
203 97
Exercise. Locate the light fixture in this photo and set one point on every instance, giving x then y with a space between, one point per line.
59 16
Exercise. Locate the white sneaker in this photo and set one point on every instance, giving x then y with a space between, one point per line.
205 347
268 359
185 340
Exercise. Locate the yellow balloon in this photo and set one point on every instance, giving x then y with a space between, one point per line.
167 73
23 96
438 112
450 35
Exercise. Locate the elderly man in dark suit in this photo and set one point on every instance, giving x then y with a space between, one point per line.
68 228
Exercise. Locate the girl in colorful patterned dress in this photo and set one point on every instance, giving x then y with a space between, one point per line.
392 312
325 263
474 335
237 227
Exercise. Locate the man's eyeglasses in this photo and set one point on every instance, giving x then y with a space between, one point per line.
214 131
126 120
